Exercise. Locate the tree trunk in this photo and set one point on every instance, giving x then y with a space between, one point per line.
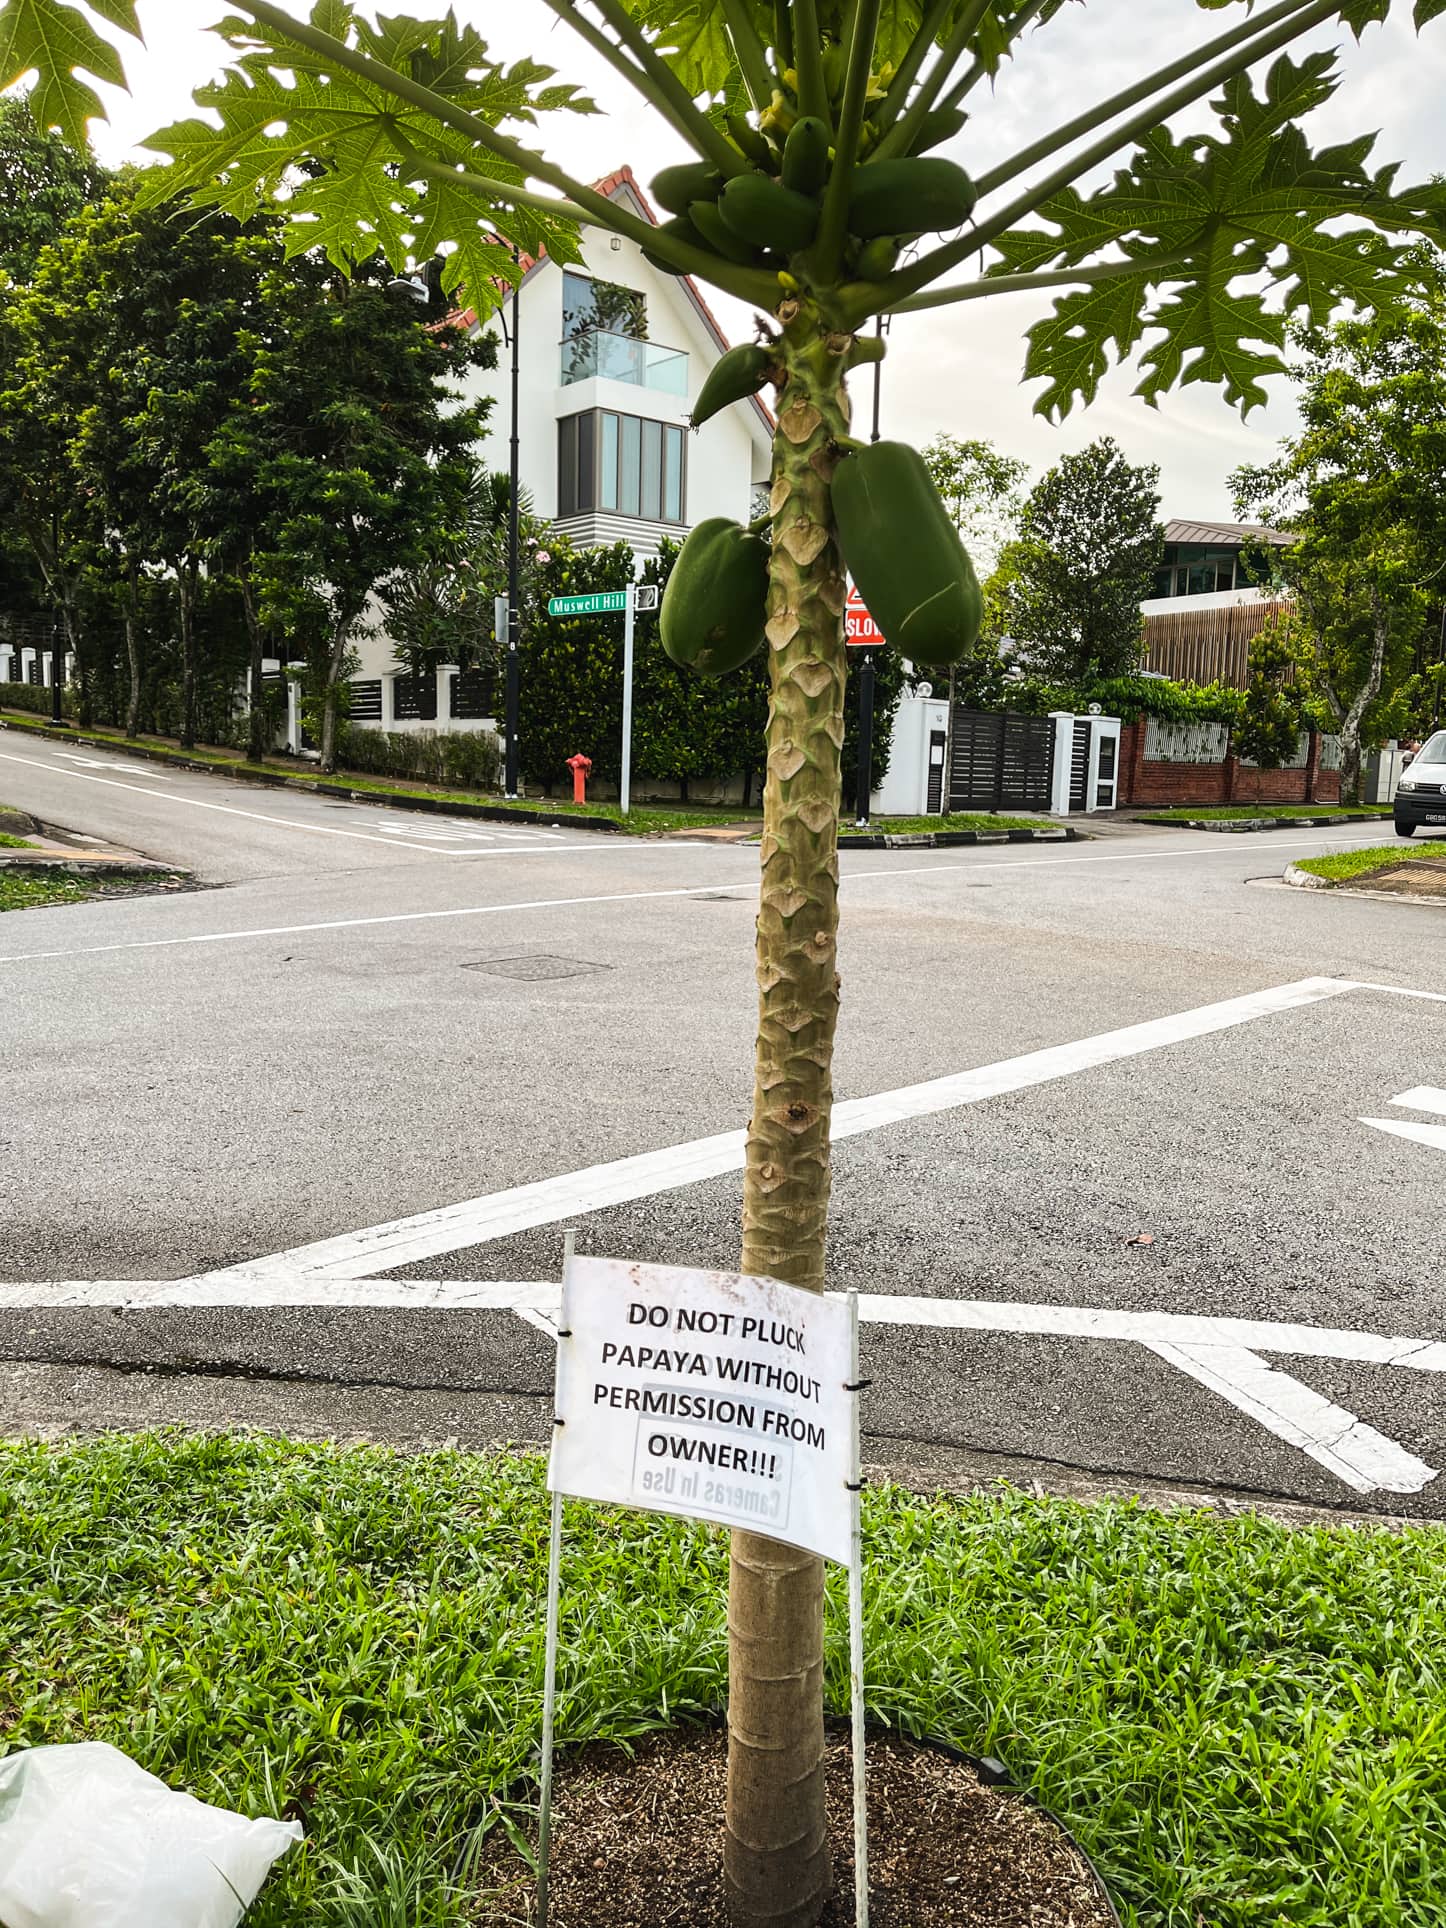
133 659
1364 696
186 603
256 743
335 658
776 1856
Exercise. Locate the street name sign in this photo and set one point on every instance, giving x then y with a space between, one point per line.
712 1395
860 629
605 602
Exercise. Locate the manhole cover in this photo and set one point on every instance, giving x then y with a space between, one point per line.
535 969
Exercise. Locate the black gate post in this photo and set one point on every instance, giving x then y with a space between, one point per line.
866 738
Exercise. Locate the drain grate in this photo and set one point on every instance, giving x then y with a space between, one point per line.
535 969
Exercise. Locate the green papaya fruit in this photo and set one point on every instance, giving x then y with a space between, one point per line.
835 69
675 187
768 214
733 378
720 237
715 604
805 155
905 555
750 143
918 193
938 126
682 229
876 258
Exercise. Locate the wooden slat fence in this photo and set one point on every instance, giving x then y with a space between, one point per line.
1208 645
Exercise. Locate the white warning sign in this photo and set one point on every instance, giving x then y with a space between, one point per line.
708 1394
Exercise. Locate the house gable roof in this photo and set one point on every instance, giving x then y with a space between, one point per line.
621 185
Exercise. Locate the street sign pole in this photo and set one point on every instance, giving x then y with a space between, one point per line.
512 713
866 738
637 597
626 781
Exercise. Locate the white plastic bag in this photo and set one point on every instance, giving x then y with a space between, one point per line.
88 1839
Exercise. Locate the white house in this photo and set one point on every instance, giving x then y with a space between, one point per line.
605 449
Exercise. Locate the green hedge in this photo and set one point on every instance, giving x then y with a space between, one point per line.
30 696
464 759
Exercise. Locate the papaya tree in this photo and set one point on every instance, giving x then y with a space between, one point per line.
813 191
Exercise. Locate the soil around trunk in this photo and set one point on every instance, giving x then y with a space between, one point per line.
638 1843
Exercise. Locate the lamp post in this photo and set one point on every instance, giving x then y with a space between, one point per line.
514 567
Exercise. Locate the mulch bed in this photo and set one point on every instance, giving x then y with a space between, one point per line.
638 1843
1414 877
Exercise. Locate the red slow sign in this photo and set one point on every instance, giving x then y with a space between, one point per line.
860 629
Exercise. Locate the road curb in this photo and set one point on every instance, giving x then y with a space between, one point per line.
951 839
1306 879
120 867
278 780
1247 825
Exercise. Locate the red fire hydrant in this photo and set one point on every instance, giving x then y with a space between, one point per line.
580 766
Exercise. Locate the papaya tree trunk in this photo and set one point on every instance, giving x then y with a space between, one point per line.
776 1856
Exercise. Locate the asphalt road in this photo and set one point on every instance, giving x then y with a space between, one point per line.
1160 1065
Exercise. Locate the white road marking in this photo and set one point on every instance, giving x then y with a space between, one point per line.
1220 1354
548 1201
260 816
617 897
1433 1135
353 923
119 769
1355 1453
1423 1098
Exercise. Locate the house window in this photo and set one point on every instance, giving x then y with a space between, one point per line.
621 465
1193 569
588 304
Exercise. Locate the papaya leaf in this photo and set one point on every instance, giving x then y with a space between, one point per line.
1253 204
331 149
58 43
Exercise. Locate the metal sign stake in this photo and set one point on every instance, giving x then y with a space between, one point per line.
549 1676
626 785
856 1630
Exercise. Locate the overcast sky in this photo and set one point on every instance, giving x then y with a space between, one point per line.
955 369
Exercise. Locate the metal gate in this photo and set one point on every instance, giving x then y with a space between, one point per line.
1000 762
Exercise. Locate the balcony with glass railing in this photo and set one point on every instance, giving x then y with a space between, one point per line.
595 354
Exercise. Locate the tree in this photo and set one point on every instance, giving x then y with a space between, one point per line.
981 490
1363 488
407 124
357 453
1089 543
1269 726
43 181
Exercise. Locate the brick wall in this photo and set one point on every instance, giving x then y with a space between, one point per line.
1151 782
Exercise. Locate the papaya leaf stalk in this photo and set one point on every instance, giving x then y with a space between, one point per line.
863 34
901 136
929 267
1061 137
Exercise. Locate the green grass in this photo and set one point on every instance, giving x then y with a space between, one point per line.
7 842
1244 1723
960 820
642 820
33 889
1239 812
1341 865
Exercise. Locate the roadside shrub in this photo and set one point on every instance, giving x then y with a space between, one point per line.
454 759
30 696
